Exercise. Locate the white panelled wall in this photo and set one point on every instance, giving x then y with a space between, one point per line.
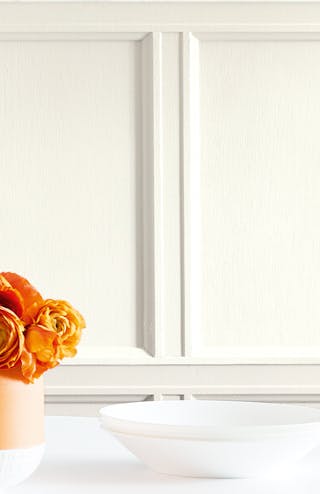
160 169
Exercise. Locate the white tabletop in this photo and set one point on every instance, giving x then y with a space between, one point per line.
82 458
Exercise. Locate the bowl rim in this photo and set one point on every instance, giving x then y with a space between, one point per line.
223 438
214 432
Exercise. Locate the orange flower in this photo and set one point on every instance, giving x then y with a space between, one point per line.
11 338
53 336
39 353
10 297
30 298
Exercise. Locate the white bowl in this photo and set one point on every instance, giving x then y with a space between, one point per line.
214 438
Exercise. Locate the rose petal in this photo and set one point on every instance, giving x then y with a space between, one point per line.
40 341
10 297
30 296
11 338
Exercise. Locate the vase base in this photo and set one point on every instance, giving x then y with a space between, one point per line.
16 465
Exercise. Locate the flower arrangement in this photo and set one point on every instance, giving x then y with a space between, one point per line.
35 334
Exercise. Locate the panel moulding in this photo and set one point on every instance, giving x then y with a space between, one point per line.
152 193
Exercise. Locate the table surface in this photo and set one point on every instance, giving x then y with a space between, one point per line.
82 458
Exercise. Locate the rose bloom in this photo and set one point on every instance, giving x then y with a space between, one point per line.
10 297
11 338
54 335
17 294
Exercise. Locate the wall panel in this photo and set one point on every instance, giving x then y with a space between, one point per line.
74 170
253 198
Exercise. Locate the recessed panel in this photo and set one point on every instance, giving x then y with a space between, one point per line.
70 168
260 193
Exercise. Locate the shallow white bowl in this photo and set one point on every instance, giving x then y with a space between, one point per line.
214 438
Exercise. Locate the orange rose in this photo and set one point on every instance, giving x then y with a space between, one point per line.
53 336
10 297
11 338
39 353
30 299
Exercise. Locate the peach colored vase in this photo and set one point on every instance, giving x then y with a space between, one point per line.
21 426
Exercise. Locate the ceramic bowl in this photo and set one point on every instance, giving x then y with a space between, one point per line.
215 438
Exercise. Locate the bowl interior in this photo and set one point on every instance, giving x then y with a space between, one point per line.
211 413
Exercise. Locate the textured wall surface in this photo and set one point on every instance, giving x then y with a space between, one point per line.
160 169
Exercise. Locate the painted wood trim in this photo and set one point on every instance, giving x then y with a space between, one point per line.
52 16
